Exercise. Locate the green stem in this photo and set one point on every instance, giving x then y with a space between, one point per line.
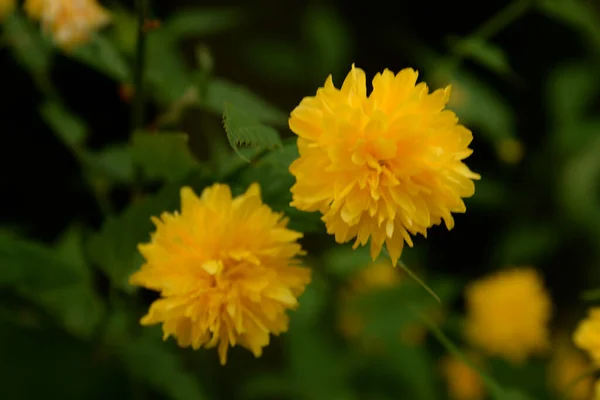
139 66
502 19
415 277
493 387
490 28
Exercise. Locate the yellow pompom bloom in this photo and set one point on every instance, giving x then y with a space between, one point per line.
226 269
71 22
566 366
384 166
462 381
597 390
508 314
6 7
587 334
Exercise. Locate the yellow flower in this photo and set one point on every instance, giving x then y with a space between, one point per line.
597 390
384 166
587 334
463 382
510 150
6 7
226 269
566 366
71 22
508 314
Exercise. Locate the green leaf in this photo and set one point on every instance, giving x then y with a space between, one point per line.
163 156
479 107
30 48
344 262
149 360
58 281
484 53
571 88
168 77
123 29
101 54
114 247
61 366
69 128
221 92
313 301
318 368
580 184
328 40
200 22
576 14
114 163
414 367
28 264
245 129
526 243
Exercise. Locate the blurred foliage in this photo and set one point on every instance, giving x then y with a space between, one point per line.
69 318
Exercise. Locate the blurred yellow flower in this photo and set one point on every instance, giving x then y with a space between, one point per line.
508 314
6 7
376 276
71 22
587 334
462 381
226 269
510 150
566 366
384 166
597 390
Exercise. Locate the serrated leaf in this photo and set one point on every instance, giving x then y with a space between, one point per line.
484 53
101 54
200 22
149 360
69 128
30 48
220 92
163 156
114 247
245 129
576 14
113 162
